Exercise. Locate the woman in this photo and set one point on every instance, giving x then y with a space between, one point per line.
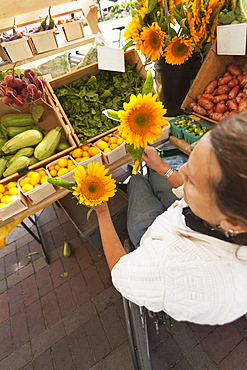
191 259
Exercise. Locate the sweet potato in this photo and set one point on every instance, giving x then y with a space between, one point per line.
198 96
234 92
220 107
224 80
218 98
192 104
200 110
242 107
232 105
207 96
239 97
223 89
205 103
227 73
240 77
210 87
245 72
234 81
216 116
234 70
244 80
209 111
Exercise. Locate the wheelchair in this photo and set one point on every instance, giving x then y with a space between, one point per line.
137 320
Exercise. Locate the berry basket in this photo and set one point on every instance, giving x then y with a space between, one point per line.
177 131
190 138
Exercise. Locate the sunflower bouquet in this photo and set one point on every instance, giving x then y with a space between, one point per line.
92 185
173 29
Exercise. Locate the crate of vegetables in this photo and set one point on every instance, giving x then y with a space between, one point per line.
15 50
70 29
12 200
62 167
43 41
178 123
112 148
86 153
34 187
83 94
195 130
21 133
219 89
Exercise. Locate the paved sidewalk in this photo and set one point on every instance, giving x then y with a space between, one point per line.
50 322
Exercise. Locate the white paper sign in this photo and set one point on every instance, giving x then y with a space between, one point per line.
110 59
231 39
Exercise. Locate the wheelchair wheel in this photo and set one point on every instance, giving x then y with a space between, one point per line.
136 322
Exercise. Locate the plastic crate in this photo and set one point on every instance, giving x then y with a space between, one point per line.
189 138
176 131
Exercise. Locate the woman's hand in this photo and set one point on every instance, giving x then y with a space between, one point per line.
153 160
101 208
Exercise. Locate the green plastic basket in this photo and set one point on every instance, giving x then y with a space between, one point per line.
176 131
189 138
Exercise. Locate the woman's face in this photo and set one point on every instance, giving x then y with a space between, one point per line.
201 168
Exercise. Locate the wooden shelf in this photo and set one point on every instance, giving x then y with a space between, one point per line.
61 48
180 144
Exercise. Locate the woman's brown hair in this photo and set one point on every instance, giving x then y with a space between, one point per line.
229 143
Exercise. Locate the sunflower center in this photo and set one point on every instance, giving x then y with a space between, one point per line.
140 121
179 49
154 40
92 188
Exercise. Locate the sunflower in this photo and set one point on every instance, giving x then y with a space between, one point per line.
92 185
141 120
133 31
153 41
178 50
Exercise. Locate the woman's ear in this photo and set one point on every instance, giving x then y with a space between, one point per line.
227 224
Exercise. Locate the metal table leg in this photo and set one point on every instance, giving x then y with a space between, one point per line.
37 238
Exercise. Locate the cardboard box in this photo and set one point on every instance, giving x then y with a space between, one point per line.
16 50
13 208
51 118
90 229
68 176
212 68
37 194
71 31
43 41
131 58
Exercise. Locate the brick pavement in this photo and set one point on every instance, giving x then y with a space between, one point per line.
50 322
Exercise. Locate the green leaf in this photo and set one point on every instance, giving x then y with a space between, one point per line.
29 255
65 274
36 112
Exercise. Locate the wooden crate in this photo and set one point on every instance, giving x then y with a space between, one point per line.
131 58
51 118
212 68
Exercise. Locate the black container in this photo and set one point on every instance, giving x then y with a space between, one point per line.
173 82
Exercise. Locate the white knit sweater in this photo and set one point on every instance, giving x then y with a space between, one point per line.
191 276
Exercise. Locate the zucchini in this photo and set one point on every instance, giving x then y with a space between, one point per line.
15 130
66 249
3 165
17 119
16 165
48 145
3 140
28 152
22 140
62 145
32 160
